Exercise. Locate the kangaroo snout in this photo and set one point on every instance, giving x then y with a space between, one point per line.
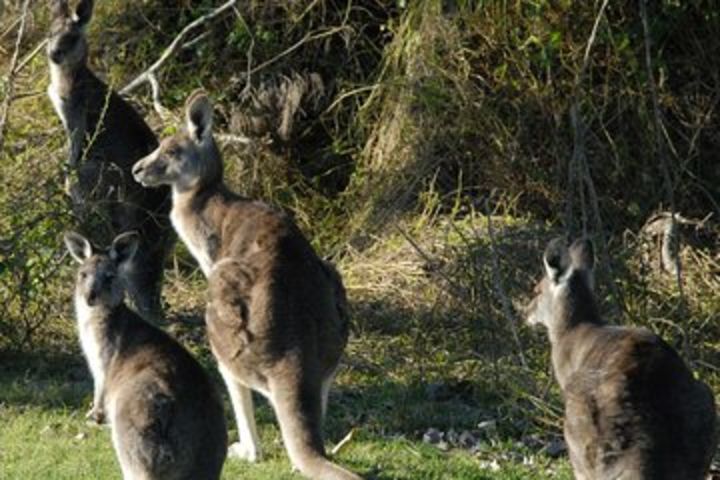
92 297
137 170
147 169
56 56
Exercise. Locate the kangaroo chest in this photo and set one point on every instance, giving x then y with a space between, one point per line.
89 341
59 97
198 236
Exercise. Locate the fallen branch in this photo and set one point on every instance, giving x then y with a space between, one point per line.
12 72
174 46
345 440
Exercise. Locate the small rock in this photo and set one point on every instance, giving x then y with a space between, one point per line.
443 446
491 465
467 439
488 427
435 390
432 436
451 436
81 436
49 428
556 448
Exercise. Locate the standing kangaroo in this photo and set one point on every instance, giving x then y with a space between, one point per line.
166 417
276 317
632 407
107 136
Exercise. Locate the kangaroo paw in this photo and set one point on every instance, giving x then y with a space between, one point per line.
245 451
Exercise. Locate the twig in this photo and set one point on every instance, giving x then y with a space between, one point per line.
345 440
576 120
10 79
454 289
191 43
660 139
174 46
579 170
248 73
500 288
31 55
155 87
229 138
307 38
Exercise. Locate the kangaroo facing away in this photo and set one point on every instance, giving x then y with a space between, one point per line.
276 316
107 136
166 417
633 409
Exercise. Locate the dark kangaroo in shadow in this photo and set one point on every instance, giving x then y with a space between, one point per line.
633 409
276 317
106 137
166 417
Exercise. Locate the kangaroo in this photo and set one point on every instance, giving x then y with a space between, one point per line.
632 407
106 137
166 417
276 316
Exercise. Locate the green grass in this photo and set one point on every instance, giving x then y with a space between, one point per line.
43 433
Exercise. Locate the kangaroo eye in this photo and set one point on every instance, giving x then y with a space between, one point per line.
83 275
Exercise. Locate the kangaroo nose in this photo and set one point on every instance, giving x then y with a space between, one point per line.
56 56
92 297
137 169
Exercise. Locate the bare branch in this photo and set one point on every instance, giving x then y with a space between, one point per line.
155 87
500 288
306 39
661 146
175 45
28 58
12 72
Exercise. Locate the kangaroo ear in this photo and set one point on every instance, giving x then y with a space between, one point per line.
556 259
199 116
83 12
124 247
582 254
60 9
78 246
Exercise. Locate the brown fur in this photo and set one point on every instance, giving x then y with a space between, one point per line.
632 408
166 417
106 198
276 315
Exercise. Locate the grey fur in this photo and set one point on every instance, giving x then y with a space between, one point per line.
276 315
103 191
166 417
633 409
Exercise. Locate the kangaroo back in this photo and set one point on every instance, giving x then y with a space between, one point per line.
106 136
632 406
166 417
277 315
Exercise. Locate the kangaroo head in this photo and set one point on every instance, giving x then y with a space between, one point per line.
188 158
99 282
67 45
562 265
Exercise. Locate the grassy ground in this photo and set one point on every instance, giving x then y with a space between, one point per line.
431 112
426 354
380 393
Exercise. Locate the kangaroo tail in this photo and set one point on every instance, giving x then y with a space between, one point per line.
298 411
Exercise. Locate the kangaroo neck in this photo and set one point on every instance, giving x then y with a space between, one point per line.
577 319
101 319
67 80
